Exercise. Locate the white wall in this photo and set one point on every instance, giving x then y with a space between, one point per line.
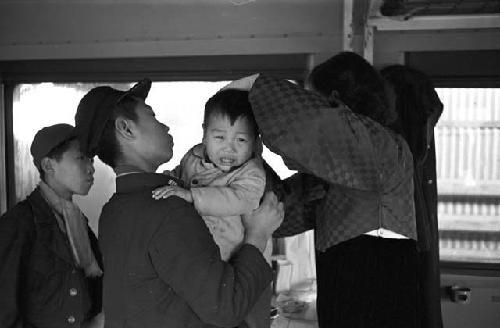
483 309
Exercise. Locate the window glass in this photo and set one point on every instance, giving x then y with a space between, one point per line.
468 172
180 105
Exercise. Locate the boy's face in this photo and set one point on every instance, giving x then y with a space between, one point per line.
154 143
73 173
228 145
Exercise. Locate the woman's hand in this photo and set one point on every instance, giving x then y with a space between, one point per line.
244 83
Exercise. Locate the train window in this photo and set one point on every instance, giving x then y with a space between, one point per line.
178 104
468 175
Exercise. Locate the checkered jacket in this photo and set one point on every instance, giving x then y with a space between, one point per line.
367 169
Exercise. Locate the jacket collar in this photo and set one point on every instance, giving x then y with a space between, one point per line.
134 182
200 151
48 232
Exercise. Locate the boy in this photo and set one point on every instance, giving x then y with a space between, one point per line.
224 177
51 274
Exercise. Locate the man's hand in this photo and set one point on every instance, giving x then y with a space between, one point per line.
167 191
261 223
244 83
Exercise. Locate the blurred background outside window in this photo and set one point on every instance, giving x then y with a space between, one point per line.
468 172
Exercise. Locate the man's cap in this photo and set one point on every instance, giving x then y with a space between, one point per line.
49 138
96 108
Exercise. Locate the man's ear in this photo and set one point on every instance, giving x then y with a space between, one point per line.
125 127
47 165
203 126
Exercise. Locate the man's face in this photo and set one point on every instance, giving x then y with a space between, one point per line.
154 142
228 145
73 173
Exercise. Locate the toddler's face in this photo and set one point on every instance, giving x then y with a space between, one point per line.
228 145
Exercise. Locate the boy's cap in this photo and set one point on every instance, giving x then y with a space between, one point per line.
49 138
95 109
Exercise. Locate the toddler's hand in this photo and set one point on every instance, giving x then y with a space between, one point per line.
167 191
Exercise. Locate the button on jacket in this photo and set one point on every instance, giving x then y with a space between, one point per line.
40 286
163 268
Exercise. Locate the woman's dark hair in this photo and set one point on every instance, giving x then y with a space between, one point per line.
56 153
416 101
233 104
108 149
357 84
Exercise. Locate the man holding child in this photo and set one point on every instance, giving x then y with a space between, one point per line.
162 266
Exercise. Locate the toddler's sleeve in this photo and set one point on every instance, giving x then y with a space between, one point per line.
242 195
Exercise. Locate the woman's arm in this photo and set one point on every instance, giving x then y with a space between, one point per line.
301 194
329 142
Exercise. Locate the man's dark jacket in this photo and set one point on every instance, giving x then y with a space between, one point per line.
163 268
40 286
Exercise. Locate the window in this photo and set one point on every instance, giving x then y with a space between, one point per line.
468 172
178 104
